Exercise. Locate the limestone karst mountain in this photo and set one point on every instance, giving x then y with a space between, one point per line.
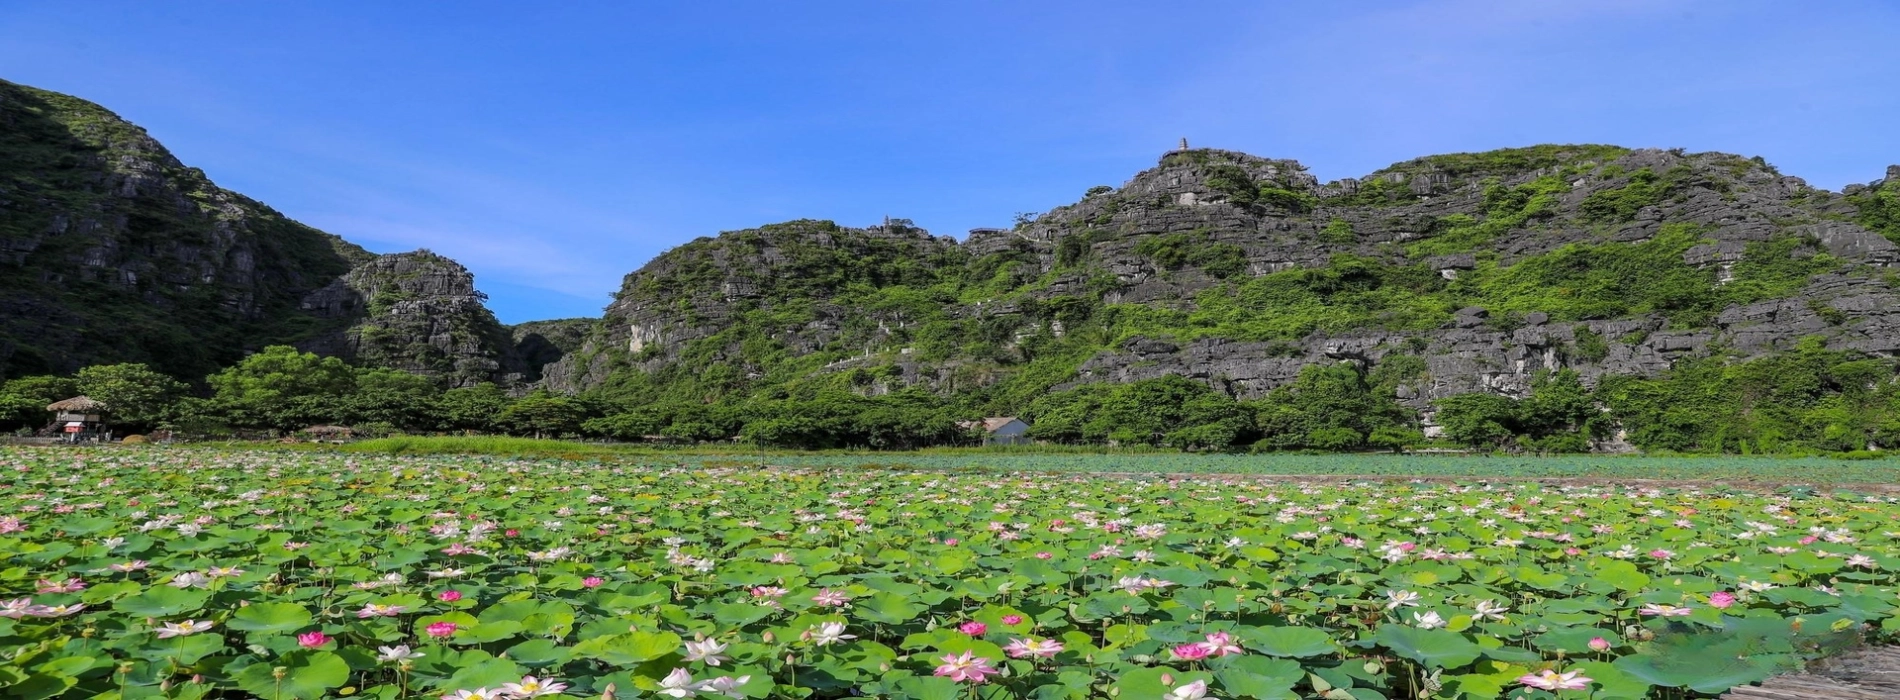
1479 270
111 250
1484 269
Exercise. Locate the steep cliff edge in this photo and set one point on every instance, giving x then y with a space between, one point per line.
418 312
111 250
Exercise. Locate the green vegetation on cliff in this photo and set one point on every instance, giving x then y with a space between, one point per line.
112 250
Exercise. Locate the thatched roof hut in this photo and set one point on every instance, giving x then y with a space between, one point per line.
77 404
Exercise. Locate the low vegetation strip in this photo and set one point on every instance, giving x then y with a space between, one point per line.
1796 471
304 574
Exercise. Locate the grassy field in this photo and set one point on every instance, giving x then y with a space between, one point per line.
1819 471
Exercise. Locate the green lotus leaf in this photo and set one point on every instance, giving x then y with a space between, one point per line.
163 601
270 617
629 649
888 608
1260 678
539 653
1433 648
304 676
1294 642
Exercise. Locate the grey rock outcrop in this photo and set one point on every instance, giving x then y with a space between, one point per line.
417 312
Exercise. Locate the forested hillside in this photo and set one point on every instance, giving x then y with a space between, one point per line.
1557 297
1223 300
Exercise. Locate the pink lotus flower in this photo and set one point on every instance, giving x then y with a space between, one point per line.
1221 644
832 599
1599 644
1025 648
379 610
1012 619
449 596
952 542
1191 652
511 532
1044 555
312 640
1810 539
70 585
1664 610
1663 554
1721 599
592 581
1552 680
965 667
440 629
974 629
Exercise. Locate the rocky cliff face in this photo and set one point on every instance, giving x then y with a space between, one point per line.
1237 271
418 312
111 250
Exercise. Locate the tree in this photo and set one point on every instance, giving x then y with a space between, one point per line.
392 398
543 415
282 388
1394 438
474 408
1477 420
133 393
1326 402
45 389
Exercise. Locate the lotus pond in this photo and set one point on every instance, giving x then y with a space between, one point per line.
136 573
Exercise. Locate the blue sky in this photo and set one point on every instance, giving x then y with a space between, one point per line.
554 147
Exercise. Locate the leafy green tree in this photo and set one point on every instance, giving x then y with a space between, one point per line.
18 412
283 389
543 415
134 394
1326 402
1477 420
629 425
394 398
45 389
1394 438
474 408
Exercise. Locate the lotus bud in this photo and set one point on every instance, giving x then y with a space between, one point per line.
1167 679
279 672
197 678
125 667
607 693
767 637
165 685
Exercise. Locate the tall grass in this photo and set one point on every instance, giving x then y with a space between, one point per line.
518 446
490 445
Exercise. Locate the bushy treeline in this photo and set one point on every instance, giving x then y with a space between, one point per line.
1809 399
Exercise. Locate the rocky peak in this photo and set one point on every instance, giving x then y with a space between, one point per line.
418 312
112 250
